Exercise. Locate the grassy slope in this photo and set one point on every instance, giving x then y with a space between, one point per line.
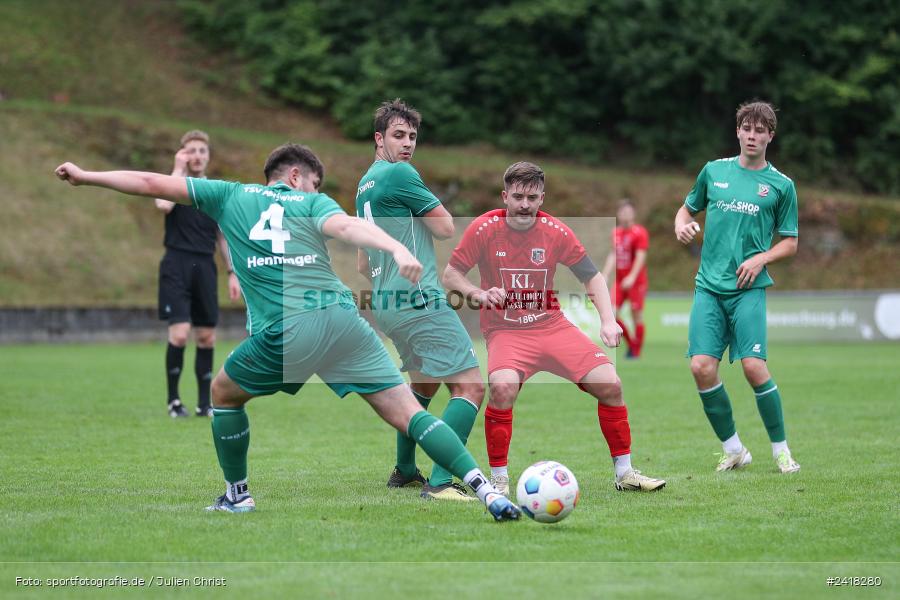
97 472
121 99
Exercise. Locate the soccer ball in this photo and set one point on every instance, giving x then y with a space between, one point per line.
547 491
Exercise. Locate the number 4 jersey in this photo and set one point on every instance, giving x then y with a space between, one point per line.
521 262
277 247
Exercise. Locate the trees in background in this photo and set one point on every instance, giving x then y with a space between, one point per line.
645 81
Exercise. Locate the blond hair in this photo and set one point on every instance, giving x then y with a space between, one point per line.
195 134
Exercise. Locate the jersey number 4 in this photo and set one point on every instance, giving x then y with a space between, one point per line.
274 217
367 212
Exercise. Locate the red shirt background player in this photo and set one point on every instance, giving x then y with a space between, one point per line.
517 250
629 257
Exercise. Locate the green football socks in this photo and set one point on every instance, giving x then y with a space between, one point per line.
441 444
231 435
768 401
460 416
406 447
717 407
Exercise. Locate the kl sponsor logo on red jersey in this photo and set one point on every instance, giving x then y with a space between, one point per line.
526 294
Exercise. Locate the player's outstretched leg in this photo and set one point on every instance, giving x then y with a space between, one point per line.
445 448
603 383
459 416
231 436
467 393
397 406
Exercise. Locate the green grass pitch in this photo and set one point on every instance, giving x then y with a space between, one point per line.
100 482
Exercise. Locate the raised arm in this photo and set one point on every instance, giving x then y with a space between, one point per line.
136 183
360 233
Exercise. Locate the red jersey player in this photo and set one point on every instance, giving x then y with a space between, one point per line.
630 243
517 250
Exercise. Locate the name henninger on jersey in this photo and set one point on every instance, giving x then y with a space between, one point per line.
301 260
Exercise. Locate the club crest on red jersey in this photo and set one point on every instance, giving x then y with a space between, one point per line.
538 256
763 190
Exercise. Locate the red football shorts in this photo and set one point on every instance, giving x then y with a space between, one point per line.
563 350
635 294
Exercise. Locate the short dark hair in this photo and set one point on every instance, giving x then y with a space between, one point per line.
526 173
398 109
757 112
293 155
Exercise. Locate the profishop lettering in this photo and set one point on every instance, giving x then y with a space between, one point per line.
746 208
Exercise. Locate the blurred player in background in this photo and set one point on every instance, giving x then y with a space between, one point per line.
629 258
746 201
301 317
432 342
517 250
188 286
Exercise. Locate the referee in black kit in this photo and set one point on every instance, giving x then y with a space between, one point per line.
188 291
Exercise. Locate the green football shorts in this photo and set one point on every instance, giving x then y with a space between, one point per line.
737 322
435 344
335 343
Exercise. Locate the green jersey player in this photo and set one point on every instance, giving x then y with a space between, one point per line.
746 201
300 316
431 340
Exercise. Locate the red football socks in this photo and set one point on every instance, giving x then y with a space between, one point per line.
497 434
638 339
615 428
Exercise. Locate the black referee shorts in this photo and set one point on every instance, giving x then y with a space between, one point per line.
188 291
